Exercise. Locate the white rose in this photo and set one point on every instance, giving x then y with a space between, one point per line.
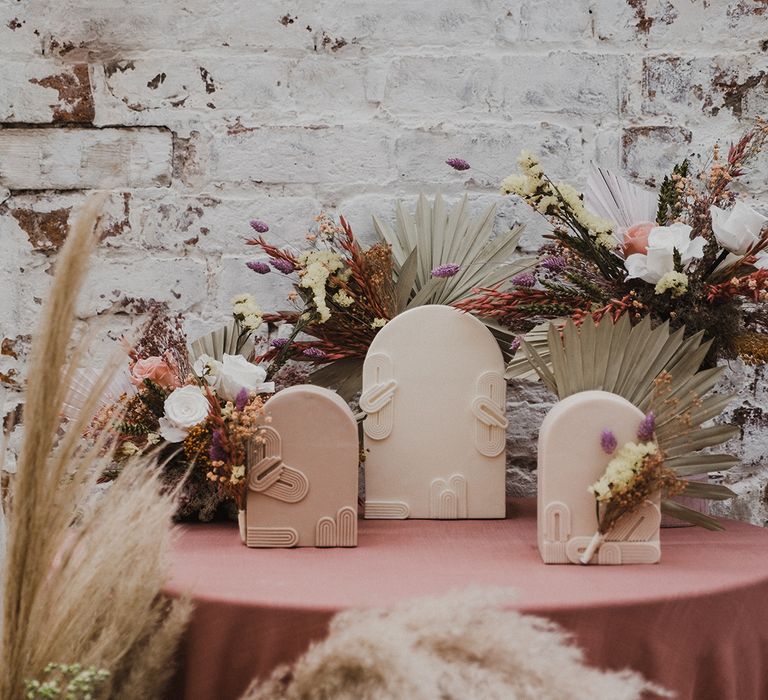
737 229
659 260
184 408
236 374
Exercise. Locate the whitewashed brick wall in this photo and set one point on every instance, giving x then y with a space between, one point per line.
200 115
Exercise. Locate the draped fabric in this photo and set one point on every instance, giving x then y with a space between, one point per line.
696 623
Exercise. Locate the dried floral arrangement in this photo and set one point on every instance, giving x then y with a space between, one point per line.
77 620
344 293
197 406
658 371
691 254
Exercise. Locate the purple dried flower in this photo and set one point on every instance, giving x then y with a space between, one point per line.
284 266
259 226
242 399
554 263
278 342
258 266
458 163
647 428
514 345
447 270
216 451
608 441
314 353
524 279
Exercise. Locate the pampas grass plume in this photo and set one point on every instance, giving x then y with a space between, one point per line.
81 576
458 646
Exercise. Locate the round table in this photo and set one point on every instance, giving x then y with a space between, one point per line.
696 623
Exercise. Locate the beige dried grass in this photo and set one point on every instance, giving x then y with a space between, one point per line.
82 576
465 644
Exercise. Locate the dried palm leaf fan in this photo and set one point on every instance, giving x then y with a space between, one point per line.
227 340
627 360
437 236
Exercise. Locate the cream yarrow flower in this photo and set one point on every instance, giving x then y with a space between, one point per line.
343 299
247 312
316 267
674 282
379 323
626 464
521 185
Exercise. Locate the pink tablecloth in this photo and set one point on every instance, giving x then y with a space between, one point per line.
696 623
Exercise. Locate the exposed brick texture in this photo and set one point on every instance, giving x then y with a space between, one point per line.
198 116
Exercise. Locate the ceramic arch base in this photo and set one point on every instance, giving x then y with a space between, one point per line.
570 459
302 480
435 435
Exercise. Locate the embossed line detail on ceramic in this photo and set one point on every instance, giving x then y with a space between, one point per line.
490 410
386 510
340 531
448 498
570 460
271 537
272 477
377 400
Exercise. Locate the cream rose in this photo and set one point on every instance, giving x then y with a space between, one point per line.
235 373
184 408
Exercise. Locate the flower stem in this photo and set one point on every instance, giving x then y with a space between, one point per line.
594 544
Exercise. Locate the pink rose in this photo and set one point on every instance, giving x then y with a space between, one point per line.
156 369
636 238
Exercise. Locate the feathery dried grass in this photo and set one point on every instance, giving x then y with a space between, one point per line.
461 645
86 593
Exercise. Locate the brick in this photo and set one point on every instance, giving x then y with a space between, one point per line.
44 91
657 24
531 85
673 85
44 219
648 152
84 158
491 150
301 154
182 282
210 225
383 25
167 87
89 28
548 22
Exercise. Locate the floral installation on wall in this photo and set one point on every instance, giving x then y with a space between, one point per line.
691 253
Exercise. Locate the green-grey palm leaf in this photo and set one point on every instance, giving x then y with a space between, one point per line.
442 237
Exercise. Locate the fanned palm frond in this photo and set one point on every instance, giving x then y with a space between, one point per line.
220 342
628 360
442 237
